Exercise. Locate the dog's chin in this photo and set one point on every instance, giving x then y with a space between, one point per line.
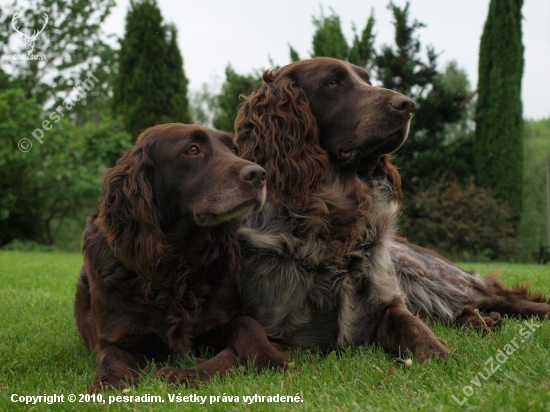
373 149
232 215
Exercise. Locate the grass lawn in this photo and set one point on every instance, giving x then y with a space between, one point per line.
41 353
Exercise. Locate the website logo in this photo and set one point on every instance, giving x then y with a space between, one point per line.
29 39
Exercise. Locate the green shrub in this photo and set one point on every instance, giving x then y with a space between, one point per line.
461 221
55 181
543 255
532 227
29 246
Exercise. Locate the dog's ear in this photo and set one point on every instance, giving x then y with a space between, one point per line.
127 214
390 171
276 129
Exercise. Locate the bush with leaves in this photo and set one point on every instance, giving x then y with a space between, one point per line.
533 222
461 221
56 180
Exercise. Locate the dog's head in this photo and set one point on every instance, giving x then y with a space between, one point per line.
316 111
176 177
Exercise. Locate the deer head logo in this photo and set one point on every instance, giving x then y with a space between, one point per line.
29 39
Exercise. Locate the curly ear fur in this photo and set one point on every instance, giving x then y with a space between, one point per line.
392 175
127 214
276 129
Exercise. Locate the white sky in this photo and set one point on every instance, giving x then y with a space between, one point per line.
247 33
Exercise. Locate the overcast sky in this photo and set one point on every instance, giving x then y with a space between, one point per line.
247 33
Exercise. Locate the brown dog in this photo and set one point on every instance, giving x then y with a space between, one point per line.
161 258
321 264
317 268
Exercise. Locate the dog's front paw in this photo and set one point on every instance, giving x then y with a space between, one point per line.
186 377
431 347
273 361
106 385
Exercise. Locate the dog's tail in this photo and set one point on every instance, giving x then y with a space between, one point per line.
518 301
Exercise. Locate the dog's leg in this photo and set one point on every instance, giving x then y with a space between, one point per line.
399 331
517 301
436 289
116 368
469 319
252 346
221 364
82 309
248 344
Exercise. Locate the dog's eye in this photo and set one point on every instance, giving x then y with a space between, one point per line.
333 83
193 150
235 150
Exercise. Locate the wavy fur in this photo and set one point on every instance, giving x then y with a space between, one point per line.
127 214
275 128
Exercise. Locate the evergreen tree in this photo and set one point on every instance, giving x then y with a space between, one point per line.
178 107
403 69
227 102
151 87
294 56
328 40
362 51
499 129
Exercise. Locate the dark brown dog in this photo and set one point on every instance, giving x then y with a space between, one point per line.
161 258
320 260
317 269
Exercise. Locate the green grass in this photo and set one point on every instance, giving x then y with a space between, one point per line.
41 353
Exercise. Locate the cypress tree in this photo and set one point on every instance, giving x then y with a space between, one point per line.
150 87
402 67
498 148
178 107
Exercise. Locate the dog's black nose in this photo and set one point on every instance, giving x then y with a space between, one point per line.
402 104
254 174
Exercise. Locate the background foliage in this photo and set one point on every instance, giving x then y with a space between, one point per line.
467 222
74 45
532 228
46 193
41 189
